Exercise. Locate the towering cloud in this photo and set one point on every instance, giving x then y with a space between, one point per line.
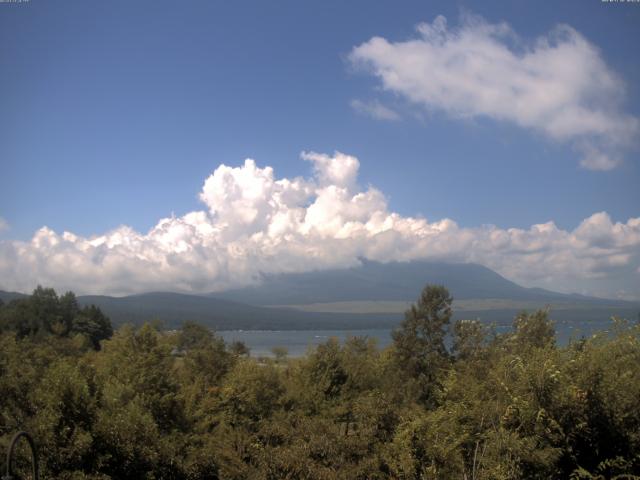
255 223
558 85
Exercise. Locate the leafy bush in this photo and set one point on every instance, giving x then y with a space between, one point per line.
143 403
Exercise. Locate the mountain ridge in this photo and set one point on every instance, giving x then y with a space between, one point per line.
370 295
401 281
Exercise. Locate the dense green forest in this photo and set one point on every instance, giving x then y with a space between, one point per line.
450 400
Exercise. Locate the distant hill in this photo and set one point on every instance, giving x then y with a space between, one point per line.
372 295
174 308
375 288
6 297
396 281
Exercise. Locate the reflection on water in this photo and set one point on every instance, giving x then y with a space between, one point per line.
298 342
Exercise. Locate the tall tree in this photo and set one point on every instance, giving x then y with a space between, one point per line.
90 321
68 307
419 341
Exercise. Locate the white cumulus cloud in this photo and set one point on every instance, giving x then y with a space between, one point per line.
257 223
558 85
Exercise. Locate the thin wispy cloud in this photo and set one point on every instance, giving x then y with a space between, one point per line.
257 223
558 85
374 109
3 224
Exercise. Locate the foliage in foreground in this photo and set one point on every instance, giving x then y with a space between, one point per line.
151 404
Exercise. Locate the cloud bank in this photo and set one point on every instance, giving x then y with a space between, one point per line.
558 85
255 223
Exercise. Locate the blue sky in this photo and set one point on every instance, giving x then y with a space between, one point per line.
114 113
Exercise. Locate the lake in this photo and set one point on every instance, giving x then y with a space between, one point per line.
298 342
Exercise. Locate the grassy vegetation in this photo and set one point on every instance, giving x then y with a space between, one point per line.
144 403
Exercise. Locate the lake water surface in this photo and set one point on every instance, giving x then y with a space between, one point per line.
298 342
